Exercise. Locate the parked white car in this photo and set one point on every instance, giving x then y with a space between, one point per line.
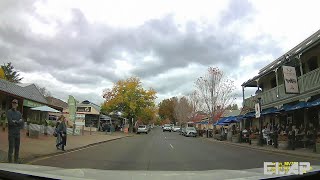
190 131
142 129
167 127
176 128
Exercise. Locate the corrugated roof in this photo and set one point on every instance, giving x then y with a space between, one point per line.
228 113
57 102
30 92
314 39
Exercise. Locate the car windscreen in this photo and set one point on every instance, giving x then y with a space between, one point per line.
191 128
142 126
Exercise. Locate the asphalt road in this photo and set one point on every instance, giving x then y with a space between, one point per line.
166 151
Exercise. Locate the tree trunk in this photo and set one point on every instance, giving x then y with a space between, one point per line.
131 124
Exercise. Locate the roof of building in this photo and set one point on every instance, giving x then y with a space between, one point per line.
30 91
57 102
228 113
305 45
86 103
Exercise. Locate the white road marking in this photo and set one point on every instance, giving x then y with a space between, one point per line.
171 146
165 137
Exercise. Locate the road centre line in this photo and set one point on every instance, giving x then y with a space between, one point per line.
171 146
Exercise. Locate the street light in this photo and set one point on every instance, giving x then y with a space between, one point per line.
258 94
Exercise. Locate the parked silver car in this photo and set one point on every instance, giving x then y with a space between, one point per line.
190 131
176 128
142 129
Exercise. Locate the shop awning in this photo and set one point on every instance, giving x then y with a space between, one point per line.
284 107
300 105
250 115
231 119
45 109
313 103
270 111
220 121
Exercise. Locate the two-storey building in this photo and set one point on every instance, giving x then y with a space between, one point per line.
278 106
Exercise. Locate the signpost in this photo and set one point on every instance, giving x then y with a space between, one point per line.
80 121
257 110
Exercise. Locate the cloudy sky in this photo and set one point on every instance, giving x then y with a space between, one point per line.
82 47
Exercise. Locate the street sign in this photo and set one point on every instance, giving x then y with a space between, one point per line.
257 109
80 116
80 123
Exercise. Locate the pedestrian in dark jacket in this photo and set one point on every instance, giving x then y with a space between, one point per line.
62 130
15 124
58 140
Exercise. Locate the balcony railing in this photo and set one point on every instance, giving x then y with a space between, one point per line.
307 82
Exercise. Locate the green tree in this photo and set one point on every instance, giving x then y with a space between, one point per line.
2 75
147 115
11 74
44 91
129 97
166 109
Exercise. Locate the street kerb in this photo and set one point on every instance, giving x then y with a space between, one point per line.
30 160
278 151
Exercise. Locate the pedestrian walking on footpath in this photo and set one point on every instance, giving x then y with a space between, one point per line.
56 131
62 130
15 124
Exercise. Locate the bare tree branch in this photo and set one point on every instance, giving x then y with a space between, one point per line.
215 92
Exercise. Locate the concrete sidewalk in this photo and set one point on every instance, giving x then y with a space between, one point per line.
45 145
302 152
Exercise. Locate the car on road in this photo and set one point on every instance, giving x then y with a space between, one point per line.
190 131
176 128
183 131
167 127
142 129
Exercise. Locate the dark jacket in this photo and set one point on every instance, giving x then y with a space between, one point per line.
62 130
15 122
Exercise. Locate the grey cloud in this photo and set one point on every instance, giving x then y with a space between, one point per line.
238 10
89 57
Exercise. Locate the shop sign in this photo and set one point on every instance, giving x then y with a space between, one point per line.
257 110
80 116
80 123
29 103
83 109
290 80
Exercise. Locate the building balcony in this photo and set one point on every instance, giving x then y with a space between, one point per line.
309 85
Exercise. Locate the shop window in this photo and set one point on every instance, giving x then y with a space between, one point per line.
313 63
273 82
